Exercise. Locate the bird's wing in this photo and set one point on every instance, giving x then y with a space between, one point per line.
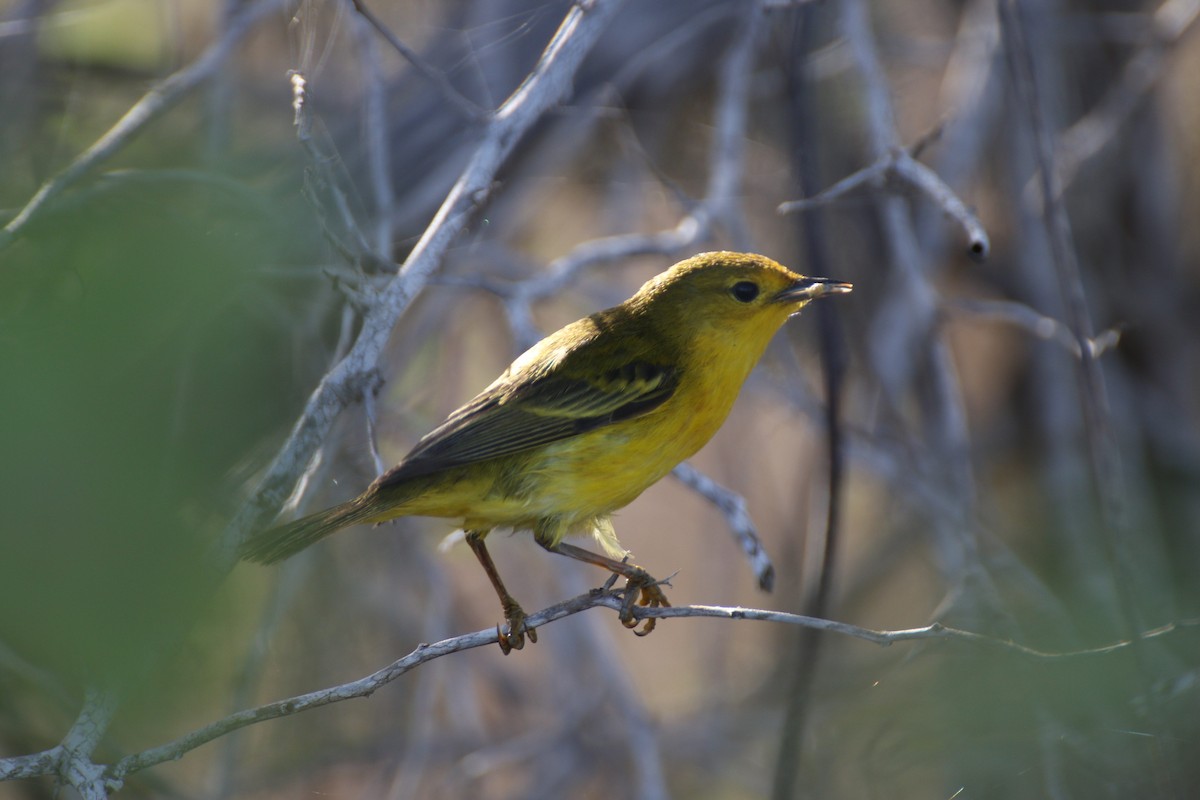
508 418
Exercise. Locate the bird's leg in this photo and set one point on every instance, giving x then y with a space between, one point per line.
640 587
513 613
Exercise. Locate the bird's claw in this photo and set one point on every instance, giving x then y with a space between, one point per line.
643 590
514 639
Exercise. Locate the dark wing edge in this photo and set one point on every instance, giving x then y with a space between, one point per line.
502 423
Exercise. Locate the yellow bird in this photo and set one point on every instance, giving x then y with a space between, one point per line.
583 422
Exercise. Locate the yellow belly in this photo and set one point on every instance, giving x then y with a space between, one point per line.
573 485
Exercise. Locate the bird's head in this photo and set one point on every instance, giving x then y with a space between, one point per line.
741 294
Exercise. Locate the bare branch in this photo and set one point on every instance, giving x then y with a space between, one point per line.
76 767
32 765
898 164
872 175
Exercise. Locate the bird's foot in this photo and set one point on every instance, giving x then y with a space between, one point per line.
644 590
514 639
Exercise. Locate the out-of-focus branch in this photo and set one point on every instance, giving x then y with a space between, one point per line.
163 96
1091 133
436 77
898 165
543 89
378 147
903 338
1039 325
733 506
1103 456
727 159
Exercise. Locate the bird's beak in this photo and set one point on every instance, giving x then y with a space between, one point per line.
807 289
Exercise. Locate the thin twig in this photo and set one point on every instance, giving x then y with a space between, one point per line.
378 140
72 760
436 77
805 152
1041 326
897 164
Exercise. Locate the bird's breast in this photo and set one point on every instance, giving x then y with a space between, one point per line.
607 468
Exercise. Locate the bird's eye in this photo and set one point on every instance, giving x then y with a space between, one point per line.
744 291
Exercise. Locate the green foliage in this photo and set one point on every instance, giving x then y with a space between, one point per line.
137 365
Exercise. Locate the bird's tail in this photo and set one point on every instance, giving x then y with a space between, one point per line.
279 542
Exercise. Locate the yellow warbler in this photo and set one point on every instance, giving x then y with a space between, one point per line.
583 422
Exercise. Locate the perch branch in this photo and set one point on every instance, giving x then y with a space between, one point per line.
45 762
93 721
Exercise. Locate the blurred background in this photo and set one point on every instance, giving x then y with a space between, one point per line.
165 316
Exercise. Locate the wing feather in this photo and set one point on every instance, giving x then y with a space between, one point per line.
508 419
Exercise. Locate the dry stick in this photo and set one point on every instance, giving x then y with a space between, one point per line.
71 759
898 164
153 104
546 85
